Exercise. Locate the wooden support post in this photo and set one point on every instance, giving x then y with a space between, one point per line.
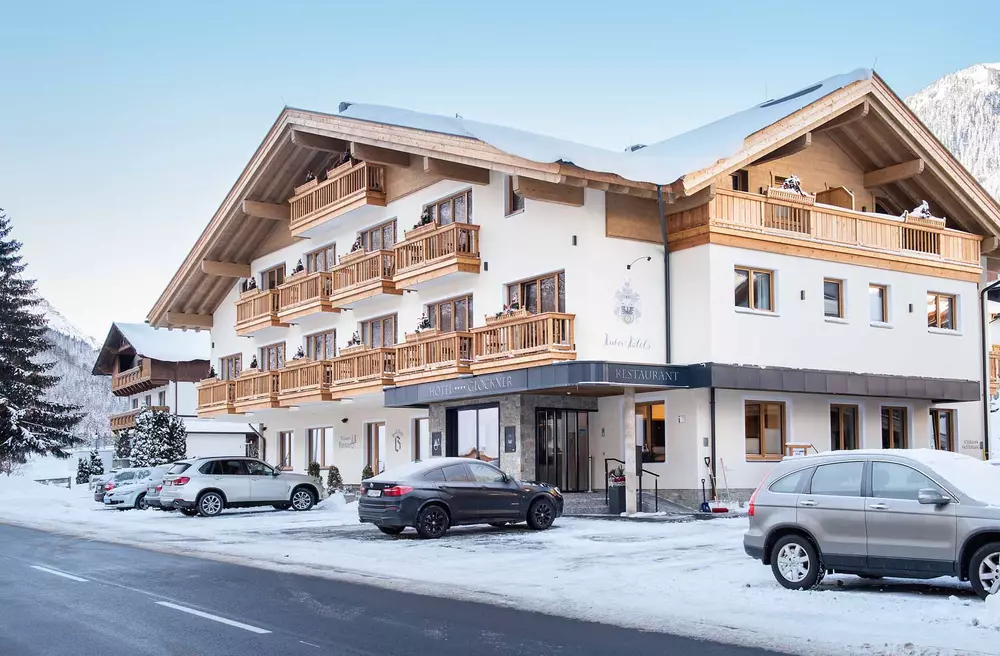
852 115
894 173
456 171
319 142
377 155
794 146
271 211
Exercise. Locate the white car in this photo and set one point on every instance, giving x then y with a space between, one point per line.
132 492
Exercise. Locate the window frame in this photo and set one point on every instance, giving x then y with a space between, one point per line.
513 201
433 311
417 435
751 296
840 298
838 463
935 416
519 285
762 454
262 361
310 258
885 303
366 337
285 443
740 180
938 296
892 435
840 407
266 273
232 364
161 398
325 460
435 212
646 410
878 461
366 235
309 347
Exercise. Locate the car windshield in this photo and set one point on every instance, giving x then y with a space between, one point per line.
179 468
121 477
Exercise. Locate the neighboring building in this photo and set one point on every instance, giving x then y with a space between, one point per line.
822 318
159 369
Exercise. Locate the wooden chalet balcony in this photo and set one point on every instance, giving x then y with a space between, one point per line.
430 252
360 369
994 369
126 420
216 397
305 381
346 187
788 223
134 380
523 340
256 390
256 310
432 356
304 294
361 275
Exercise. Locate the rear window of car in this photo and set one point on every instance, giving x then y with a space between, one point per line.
434 475
838 479
457 473
179 468
791 483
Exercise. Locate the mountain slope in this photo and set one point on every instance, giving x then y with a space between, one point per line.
963 110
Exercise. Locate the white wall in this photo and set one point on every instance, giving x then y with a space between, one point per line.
185 402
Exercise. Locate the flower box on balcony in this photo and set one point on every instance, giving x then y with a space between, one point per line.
337 170
504 317
423 335
301 189
213 379
419 230
353 256
790 196
350 350
925 221
250 292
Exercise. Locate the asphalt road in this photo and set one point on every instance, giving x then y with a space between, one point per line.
63 595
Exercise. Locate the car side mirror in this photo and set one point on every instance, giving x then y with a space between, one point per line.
276 473
931 497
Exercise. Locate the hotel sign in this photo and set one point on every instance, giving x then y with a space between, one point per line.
463 388
647 376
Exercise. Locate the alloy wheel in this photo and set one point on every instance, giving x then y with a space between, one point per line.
211 504
989 573
434 519
793 562
543 514
301 500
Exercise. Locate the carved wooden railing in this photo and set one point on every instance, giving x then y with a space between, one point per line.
535 333
368 364
132 376
256 385
439 351
452 239
376 265
343 186
304 288
256 306
124 420
214 394
304 375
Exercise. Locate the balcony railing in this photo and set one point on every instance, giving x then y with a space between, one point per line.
304 381
126 420
430 253
432 356
133 380
994 370
360 276
831 225
359 369
256 390
524 340
345 188
304 294
256 310
216 397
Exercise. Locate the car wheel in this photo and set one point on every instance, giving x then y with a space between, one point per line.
796 564
541 514
432 522
282 506
391 530
189 512
140 502
302 499
210 504
984 570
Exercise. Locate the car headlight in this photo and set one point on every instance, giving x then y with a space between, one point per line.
555 492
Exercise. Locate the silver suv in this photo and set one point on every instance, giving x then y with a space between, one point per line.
911 513
207 486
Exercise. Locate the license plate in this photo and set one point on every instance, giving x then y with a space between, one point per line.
107 501
374 493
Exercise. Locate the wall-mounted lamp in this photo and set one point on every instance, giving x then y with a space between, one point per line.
574 240
802 295
647 258
486 266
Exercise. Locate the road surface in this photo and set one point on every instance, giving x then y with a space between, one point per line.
63 595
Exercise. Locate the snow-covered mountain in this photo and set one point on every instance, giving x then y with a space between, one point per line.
963 110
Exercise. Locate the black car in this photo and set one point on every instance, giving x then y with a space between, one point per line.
436 494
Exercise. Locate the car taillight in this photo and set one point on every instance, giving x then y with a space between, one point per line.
753 497
159 487
109 486
183 480
397 490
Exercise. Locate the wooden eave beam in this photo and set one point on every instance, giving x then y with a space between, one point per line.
850 116
271 211
188 320
456 171
685 203
989 245
225 269
548 192
314 141
894 173
796 145
377 155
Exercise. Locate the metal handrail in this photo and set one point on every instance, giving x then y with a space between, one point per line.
656 489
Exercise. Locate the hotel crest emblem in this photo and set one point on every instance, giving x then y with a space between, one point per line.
628 305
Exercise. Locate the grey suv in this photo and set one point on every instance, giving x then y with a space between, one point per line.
207 486
911 513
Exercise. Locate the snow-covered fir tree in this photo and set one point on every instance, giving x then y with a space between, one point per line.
123 444
29 423
158 438
82 471
96 465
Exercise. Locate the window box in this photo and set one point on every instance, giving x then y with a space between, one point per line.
790 196
309 186
506 317
419 230
423 335
357 348
353 256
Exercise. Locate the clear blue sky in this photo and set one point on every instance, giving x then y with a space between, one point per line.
123 125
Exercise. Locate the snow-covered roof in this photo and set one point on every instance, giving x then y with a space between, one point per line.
167 345
659 163
195 425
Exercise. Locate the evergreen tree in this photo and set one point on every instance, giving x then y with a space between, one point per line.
334 481
367 473
158 438
313 470
82 471
29 424
96 465
123 444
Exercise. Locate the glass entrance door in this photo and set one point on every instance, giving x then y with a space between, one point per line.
474 433
562 448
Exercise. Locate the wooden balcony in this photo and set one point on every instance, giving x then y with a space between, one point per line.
432 356
216 397
256 390
126 420
360 370
305 381
783 225
523 340
304 294
346 188
431 252
135 380
256 310
361 275
994 370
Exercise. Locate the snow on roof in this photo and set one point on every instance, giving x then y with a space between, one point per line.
195 425
660 163
167 345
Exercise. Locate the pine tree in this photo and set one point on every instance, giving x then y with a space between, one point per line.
313 469
367 473
158 438
29 424
96 464
123 444
334 481
82 472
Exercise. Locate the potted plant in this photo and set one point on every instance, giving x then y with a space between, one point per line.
310 184
299 268
508 313
313 472
249 287
353 345
425 224
616 491
367 473
357 252
334 481
424 330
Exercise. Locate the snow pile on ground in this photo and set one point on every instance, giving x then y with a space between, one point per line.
688 578
990 619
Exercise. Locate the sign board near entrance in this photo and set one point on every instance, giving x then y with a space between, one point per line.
647 375
463 388
510 439
436 444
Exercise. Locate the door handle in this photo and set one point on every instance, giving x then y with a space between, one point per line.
807 502
879 506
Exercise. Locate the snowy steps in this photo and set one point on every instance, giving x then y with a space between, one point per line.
593 503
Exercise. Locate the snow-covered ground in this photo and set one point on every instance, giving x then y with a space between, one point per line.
688 578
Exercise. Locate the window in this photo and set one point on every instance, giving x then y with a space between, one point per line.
942 429
272 357
223 468
374 441
321 346
434 475
453 314
273 277
894 481
841 479
756 296
515 201
147 400
135 403
230 367
319 441
779 180
421 439
792 483
941 311
457 474
543 294
878 306
650 425
485 474
880 208
379 332
378 237
765 429
258 468
454 209
894 428
741 180
833 298
161 399
285 450
844 427
321 259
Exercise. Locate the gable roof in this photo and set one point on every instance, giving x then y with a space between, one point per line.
153 343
